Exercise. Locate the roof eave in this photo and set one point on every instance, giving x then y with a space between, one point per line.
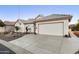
55 19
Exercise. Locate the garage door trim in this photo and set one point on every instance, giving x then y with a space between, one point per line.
52 23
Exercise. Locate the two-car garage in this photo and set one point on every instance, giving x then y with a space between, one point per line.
56 28
55 24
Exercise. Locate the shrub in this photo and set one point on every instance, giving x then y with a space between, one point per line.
1 24
77 26
17 28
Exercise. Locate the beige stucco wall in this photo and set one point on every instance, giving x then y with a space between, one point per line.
23 27
65 26
9 28
30 27
2 29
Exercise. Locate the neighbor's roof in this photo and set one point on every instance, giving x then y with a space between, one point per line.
72 25
39 16
26 21
54 17
9 23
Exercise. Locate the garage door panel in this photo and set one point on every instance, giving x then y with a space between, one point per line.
51 29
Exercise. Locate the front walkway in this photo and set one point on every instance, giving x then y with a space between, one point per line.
45 44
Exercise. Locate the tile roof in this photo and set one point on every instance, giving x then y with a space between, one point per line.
54 17
9 23
27 21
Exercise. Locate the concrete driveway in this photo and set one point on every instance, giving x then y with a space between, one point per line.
44 44
8 48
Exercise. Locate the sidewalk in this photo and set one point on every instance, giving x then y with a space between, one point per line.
70 45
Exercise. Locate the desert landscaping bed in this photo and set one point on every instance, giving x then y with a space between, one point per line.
76 33
10 37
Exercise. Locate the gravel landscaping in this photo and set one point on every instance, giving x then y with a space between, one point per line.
76 33
10 37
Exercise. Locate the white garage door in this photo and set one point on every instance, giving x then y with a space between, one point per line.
51 29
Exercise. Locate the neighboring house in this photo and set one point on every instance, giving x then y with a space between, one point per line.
23 24
72 25
55 24
9 26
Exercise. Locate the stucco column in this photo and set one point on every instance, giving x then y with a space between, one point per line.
34 27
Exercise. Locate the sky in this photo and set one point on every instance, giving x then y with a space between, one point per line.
14 12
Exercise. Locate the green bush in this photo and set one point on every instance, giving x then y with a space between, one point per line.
77 26
17 28
73 28
1 24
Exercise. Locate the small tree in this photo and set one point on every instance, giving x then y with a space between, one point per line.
77 26
1 24
73 28
17 28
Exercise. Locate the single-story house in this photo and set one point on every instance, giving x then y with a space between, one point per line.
55 24
9 26
23 24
